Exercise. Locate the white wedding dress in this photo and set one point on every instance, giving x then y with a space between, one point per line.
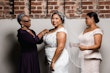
61 65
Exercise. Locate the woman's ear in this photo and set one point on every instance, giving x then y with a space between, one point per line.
21 22
92 18
22 25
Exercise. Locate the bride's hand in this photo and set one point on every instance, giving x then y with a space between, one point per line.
52 66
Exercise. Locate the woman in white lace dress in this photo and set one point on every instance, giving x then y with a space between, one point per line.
55 41
90 42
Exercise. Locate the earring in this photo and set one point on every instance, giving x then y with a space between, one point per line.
22 25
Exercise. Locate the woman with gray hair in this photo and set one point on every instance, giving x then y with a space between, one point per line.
55 41
28 61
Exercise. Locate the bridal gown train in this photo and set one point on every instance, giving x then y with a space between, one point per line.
61 65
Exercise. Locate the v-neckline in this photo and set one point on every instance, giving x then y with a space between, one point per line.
29 33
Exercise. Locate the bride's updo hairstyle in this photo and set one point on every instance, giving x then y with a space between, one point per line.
94 15
62 17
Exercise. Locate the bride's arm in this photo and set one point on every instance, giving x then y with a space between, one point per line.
61 40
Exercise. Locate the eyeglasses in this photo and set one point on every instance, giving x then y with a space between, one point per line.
26 21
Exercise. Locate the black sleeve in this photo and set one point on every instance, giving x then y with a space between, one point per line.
24 37
38 41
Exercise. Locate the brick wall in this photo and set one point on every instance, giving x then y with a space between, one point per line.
44 8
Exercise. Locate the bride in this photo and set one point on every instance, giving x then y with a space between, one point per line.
55 45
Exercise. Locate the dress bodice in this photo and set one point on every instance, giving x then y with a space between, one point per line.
87 39
50 40
27 41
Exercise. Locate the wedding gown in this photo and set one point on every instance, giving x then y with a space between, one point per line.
61 65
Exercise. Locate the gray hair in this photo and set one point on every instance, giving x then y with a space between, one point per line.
20 17
62 17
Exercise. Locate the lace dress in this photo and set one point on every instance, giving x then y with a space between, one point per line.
90 58
50 48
